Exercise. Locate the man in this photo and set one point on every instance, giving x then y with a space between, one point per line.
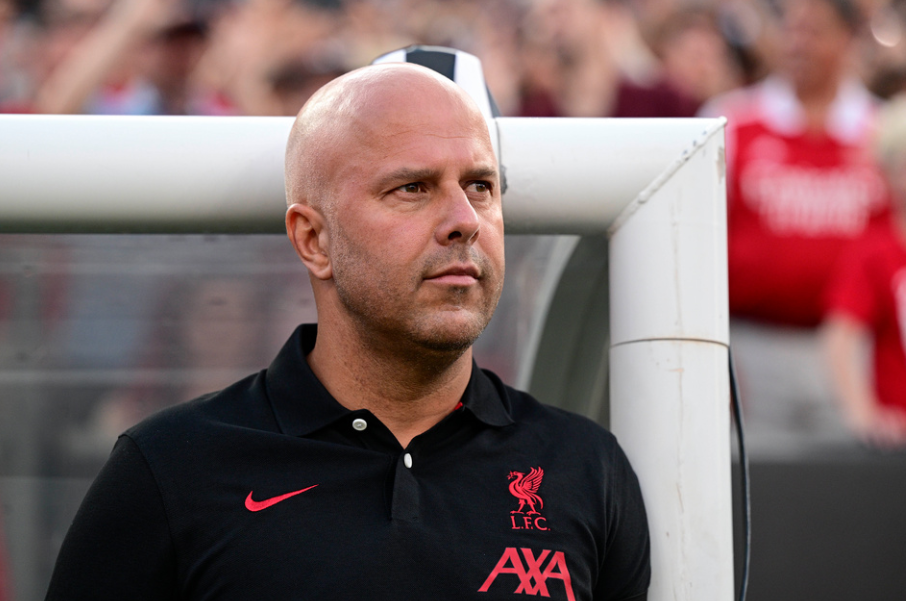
372 459
866 307
801 186
803 183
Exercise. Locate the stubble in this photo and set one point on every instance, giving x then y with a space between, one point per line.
390 310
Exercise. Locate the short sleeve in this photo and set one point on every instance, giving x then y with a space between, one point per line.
850 289
626 571
119 545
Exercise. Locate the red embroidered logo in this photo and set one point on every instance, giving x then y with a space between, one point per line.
525 489
532 580
253 505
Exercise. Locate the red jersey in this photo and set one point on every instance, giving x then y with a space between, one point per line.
795 198
870 286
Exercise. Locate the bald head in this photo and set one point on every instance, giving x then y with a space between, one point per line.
396 212
351 108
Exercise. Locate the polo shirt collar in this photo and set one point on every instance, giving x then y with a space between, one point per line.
302 405
487 399
849 117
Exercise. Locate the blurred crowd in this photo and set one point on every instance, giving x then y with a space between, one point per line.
542 57
802 83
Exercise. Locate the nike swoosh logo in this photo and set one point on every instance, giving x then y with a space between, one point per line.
253 505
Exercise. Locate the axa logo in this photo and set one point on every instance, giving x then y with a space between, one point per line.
525 488
533 580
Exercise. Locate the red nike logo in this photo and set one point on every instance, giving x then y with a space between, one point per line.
253 505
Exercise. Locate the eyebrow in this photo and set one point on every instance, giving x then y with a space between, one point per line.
407 174
483 172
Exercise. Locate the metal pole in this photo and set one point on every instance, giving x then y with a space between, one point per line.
668 363
225 174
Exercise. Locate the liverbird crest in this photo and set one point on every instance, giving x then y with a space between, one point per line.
525 488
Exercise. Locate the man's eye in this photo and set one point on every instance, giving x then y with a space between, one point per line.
482 187
411 188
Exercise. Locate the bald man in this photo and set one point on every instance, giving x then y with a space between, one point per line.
373 459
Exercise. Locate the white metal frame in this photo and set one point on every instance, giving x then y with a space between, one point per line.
655 186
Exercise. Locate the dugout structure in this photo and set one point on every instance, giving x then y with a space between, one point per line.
633 323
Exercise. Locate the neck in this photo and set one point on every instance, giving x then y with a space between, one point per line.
409 391
817 99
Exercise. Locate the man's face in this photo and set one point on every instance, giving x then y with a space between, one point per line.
415 223
816 42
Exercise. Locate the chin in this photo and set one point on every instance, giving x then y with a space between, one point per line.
450 336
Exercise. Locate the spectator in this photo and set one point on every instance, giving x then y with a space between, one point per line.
596 64
138 59
59 27
867 301
802 182
255 45
259 57
697 60
801 186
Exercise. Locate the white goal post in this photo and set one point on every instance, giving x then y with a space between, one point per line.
656 187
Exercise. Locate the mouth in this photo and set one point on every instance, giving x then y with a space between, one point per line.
464 274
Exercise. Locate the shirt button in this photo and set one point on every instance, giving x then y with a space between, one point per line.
407 460
359 424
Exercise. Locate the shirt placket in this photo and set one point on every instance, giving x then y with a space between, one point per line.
404 496
405 501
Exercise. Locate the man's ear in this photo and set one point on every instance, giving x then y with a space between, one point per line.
307 231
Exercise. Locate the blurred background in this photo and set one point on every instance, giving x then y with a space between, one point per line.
98 331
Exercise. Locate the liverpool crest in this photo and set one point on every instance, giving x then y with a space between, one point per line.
525 488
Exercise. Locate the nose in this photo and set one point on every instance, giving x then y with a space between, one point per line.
459 223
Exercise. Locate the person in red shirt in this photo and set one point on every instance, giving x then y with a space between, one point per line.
802 183
867 300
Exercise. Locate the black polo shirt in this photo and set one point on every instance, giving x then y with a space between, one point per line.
270 489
